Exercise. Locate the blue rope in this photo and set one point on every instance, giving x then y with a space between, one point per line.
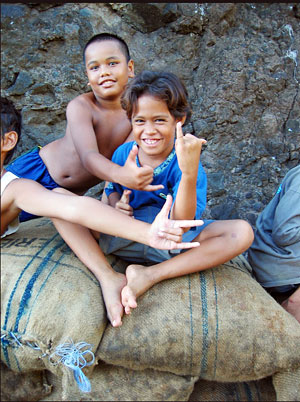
72 356
11 339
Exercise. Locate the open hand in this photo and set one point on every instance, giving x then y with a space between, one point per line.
123 204
166 233
135 177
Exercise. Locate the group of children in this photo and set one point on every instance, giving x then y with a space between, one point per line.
130 135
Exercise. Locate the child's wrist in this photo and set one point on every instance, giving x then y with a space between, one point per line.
189 177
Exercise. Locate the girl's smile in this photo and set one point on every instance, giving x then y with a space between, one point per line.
153 129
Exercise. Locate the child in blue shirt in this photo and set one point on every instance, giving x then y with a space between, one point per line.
25 194
157 105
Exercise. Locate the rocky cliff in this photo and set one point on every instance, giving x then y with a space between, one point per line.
239 62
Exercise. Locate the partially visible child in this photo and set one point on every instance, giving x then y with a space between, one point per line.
26 194
275 252
157 104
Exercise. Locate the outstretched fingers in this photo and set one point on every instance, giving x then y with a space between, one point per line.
187 245
188 223
152 187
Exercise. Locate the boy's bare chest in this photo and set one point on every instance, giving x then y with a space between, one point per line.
111 135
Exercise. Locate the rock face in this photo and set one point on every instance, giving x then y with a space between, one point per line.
239 62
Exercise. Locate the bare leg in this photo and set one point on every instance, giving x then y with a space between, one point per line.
87 249
292 304
219 242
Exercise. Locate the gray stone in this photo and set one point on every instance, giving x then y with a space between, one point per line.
235 59
22 83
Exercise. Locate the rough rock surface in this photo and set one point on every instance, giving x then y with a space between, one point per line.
239 62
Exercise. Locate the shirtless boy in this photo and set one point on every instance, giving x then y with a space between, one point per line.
96 126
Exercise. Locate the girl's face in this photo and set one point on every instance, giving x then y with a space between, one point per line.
153 129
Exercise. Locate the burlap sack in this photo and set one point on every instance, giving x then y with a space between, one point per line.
25 387
53 315
112 383
261 390
220 325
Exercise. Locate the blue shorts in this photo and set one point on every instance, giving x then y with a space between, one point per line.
31 166
138 253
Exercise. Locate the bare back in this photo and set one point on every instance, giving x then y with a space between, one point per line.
91 130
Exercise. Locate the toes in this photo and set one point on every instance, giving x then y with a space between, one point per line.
115 315
117 323
132 302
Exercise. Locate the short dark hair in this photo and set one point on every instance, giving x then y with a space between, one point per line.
107 36
162 85
10 121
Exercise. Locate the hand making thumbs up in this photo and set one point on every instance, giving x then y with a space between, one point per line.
135 177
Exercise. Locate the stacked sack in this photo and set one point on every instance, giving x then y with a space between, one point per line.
218 326
53 315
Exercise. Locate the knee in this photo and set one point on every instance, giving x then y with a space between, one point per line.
243 232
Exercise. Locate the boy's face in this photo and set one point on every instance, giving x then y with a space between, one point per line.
153 127
107 69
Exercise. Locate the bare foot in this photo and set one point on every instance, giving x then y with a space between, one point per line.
138 282
111 286
292 304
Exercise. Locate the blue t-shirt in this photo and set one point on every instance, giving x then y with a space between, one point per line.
147 204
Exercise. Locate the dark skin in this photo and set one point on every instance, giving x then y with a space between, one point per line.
96 126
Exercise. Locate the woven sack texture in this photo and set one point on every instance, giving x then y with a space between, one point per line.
25 387
260 390
112 383
287 385
220 325
48 299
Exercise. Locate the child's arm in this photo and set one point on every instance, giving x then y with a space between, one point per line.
80 124
188 150
286 223
30 196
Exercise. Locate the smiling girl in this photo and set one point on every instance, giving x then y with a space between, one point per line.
157 105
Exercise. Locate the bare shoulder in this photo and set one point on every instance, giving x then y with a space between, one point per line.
81 102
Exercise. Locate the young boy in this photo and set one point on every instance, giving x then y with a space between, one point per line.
275 252
96 126
26 194
157 105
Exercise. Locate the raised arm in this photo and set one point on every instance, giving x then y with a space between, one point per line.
188 150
